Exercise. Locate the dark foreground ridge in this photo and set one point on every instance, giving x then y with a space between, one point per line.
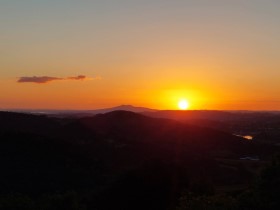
124 160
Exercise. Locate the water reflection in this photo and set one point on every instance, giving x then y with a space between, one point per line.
247 137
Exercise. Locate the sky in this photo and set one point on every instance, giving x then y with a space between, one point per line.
89 54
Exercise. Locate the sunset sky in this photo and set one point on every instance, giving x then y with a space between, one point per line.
89 54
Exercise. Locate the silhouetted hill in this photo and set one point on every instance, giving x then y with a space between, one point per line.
132 127
20 122
194 114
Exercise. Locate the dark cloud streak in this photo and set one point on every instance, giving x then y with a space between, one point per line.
46 79
39 80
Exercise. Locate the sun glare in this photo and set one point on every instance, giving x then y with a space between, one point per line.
183 104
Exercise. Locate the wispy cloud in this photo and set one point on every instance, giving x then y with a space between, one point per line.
79 77
46 79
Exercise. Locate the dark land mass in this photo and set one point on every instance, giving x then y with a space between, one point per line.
263 126
125 160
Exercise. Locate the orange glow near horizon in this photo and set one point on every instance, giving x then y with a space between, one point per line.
99 94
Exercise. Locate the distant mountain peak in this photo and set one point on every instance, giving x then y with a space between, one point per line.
125 106
132 108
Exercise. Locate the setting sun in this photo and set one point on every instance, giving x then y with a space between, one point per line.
183 104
